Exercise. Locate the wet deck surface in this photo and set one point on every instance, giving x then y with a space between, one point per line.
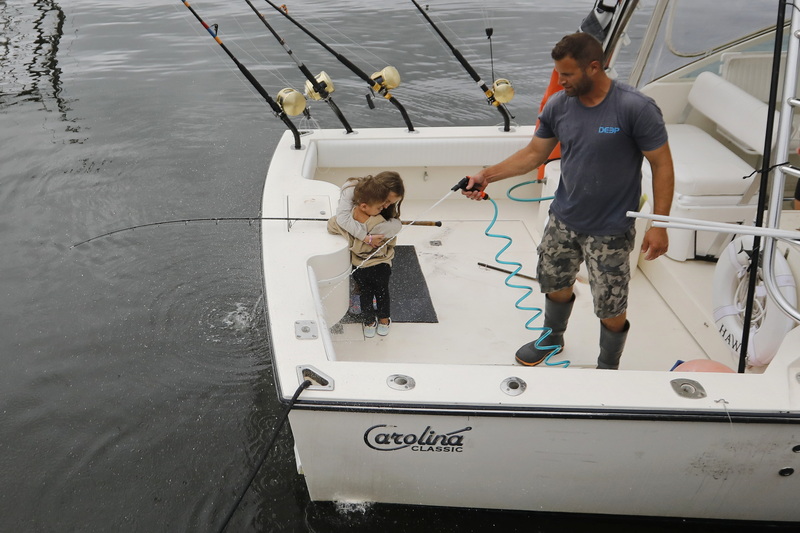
478 320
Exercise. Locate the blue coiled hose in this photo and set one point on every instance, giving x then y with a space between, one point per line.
542 332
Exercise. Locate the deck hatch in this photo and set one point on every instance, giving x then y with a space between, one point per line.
306 329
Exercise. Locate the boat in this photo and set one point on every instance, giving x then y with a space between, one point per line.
437 413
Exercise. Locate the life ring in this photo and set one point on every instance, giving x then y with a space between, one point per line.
769 323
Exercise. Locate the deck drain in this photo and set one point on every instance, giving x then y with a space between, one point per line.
400 382
513 386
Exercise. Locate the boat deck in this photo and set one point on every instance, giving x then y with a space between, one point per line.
478 320
670 304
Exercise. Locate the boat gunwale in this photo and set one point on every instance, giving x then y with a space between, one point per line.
668 415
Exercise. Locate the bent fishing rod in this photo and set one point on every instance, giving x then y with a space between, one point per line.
319 87
378 82
490 95
249 220
279 112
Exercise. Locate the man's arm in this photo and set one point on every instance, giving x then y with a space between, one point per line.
344 214
524 160
345 219
655 241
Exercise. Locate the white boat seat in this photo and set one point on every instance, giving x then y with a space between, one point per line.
739 116
703 166
711 181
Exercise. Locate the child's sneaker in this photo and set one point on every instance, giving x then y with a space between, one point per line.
383 329
369 329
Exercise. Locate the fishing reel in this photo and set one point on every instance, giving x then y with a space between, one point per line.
503 91
388 78
322 79
291 101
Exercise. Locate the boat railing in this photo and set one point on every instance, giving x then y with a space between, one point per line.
789 102
771 235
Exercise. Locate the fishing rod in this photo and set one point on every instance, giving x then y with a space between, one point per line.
380 82
249 220
493 96
318 88
212 30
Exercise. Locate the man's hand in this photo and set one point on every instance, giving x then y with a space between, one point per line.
475 186
655 243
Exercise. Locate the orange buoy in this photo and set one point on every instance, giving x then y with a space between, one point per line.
703 365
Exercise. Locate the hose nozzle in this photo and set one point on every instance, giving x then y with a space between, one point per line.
463 186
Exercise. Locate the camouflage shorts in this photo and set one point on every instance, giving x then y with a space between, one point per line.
607 260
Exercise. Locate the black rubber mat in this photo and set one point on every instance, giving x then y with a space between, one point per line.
411 300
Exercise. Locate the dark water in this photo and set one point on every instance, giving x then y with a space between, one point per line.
136 387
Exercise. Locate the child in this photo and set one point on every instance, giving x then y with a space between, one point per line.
390 212
368 216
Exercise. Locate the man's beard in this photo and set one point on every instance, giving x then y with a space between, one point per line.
584 86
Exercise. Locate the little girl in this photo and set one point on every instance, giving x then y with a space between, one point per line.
368 215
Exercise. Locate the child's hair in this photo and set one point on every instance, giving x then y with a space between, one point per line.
369 190
394 183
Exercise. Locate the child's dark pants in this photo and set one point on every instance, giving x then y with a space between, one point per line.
374 283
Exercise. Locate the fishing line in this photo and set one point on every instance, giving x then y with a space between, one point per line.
275 69
462 44
381 82
544 332
350 40
223 60
344 36
303 386
213 32
317 87
249 220
253 314
491 97
489 31
226 64
416 222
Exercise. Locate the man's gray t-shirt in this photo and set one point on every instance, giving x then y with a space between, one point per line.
601 156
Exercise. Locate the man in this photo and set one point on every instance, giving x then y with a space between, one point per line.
605 129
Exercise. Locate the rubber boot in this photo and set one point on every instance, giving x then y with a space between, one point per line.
556 316
611 346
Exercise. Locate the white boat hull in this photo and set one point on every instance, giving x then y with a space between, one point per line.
656 464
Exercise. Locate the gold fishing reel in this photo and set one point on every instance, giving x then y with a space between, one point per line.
322 79
503 91
388 78
291 101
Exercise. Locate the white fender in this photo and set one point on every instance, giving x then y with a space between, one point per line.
769 323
